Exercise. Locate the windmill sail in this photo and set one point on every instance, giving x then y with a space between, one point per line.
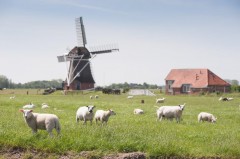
103 49
77 60
81 35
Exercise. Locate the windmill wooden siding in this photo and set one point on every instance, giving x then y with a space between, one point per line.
85 79
192 81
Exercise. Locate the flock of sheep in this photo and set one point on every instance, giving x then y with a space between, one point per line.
171 112
50 121
85 113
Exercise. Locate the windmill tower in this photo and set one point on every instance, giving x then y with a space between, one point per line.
79 74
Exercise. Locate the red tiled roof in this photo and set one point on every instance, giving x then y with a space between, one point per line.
197 78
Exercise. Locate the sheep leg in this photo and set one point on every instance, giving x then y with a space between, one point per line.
90 122
50 134
77 119
34 131
85 121
161 117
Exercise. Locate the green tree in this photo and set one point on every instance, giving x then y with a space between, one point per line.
4 82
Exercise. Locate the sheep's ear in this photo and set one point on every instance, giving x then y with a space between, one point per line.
21 110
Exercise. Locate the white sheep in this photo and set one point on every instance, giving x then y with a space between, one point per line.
41 121
225 99
129 97
91 97
103 116
138 111
85 114
203 116
170 112
12 97
96 96
44 106
160 100
29 106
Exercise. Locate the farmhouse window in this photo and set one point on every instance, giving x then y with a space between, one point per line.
186 88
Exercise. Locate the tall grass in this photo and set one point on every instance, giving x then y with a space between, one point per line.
126 132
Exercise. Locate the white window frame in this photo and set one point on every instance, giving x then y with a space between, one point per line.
186 88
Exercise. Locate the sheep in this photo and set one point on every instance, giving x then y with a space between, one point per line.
160 100
129 97
170 112
44 106
96 96
103 116
138 111
12 97
41 121
29 106
85 113
225 99
91 97
203 116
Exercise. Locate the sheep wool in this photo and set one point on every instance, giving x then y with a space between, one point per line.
41 121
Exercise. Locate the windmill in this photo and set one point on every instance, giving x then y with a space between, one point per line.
79 74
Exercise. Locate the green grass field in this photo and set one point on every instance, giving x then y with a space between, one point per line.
125 132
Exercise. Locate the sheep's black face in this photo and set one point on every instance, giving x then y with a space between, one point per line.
90 108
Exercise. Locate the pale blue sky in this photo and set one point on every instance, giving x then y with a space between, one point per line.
154 36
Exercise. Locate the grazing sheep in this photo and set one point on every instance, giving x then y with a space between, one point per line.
44 106
203 116
170 112
96 96
160 100
138 111
103 116
225 99
85 113
129 97
41 121
29 106
12 97
91 97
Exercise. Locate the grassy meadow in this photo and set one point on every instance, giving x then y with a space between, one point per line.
125 132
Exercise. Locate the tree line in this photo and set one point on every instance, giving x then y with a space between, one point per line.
57 83
7 83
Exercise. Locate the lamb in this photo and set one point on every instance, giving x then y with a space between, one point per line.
160 100
29 106
91 97
41 121
170 112
129 97
96 96
138 111
103 116
203 116
85 114
44 106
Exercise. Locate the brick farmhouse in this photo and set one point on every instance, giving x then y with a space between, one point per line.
192 81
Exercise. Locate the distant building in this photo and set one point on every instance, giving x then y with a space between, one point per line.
191 81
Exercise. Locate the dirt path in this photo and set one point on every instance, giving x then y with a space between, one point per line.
18 153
